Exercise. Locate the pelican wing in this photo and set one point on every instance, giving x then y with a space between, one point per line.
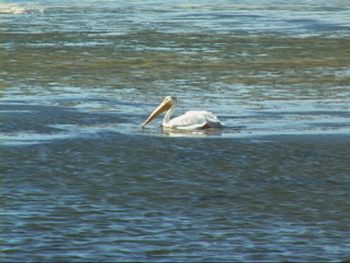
195 120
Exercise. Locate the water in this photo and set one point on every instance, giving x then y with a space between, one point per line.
82 181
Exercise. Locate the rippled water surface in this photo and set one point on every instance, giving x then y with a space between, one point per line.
82 181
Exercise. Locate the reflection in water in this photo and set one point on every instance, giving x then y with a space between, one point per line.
197 133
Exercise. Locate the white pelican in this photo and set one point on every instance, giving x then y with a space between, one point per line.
191 120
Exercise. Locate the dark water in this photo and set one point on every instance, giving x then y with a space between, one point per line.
81 181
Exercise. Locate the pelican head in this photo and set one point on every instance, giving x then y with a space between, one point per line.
168 103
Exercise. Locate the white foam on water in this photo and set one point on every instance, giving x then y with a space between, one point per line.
27 138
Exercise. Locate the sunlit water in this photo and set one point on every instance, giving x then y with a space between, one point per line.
82 181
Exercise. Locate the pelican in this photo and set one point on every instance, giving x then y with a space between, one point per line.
191 120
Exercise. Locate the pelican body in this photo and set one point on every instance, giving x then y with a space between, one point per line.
191 120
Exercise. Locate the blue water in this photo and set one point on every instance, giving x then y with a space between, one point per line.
82 181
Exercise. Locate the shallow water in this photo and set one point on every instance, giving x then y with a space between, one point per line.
82 181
